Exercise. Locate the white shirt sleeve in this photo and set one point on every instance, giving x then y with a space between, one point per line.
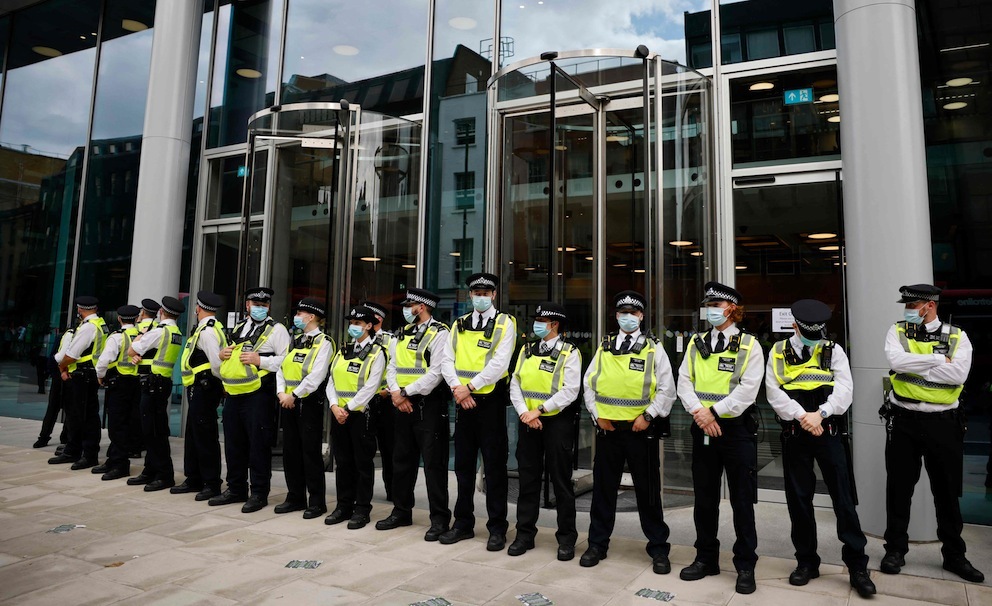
312 381
280 381
588 394
64 342
149 340
664 395
208 343
516 393
329 391
371 387
426 384
278 345
742 396
902 361
391 367
81 340
686 388
785 407
956 371
843 394
109 354
500 361
570 385
448 365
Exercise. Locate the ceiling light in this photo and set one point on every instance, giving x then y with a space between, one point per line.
830 247
81 37
47 51
619 265
681 242
956 105
588 258
696 253
959 81
830 98
561 147
371 259
740 266
529 268
345 49
823 235
133 26
616 137
409 267
833 119
462 22
246 72
966 47
639 271
762 86
455 254
566 249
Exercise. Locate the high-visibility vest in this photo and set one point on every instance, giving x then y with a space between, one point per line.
412 356
146 325
351 373
714 377
161 359
96 346
384 338
913 387
542 375
194 360
122 364
474 349
624 382
801 377
241 378
299 362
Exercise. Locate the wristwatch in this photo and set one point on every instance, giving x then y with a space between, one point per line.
823 413
403 392
647 416
541 409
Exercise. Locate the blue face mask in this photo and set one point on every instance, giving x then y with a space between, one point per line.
541 329
299 323
408 315
808 342
714 315
258 313
481 304
913 316
355 331
628 322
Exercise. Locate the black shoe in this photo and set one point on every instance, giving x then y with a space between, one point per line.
159 485
592 556
745 582
289 507
358 520
226 498
61 459
802 574
861 583
337 516
83 463
660 564
314 511
116 474
518 547
391 522
185 488
135 454
59 449
892 563
254 503
698 570
454 535
206 494
434 532
139 479
41 443
496 542
100 469
963 568
566 552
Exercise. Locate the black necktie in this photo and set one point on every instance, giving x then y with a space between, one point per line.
805 352
721 343
478 322
626 344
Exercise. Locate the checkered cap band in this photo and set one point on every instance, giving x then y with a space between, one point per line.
922 296
719 294
548 313
811 327
311 308
632 301
412 296
86 306
258 295
206 307
482 283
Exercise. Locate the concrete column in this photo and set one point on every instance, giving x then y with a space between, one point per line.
156 253
886 219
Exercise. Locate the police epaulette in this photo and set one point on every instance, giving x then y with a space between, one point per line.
438 324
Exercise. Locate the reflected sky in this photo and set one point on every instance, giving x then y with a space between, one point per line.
123 86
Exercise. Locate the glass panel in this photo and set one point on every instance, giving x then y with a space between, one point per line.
799 39
761 45
226 188
220 255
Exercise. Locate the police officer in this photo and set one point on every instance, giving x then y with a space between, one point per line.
476 368
248 369
929 362
299 383
77 368
156 353
116 372
355 376
382 404
56 394
808 383
628 385
147 320
542 388
199 366
420 397
718 382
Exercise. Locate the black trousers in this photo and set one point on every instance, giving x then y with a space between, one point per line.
248 428
201 451
83 415
136 439
123 394
799 451
640 453
382 418
735 453
482 430
353 445
56 395
548 448
41 371
155 394
302 439
422 434
937 441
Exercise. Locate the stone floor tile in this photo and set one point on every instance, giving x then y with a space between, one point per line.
544 552
710 590
834 585
558 595
6 559
766 595
47 502
146 572
121 548
184 504
234 544
979 594
37 573
611 574
174 595
370 536
78 592
98 489
19 494
316 547
411 547
400 597
307 592
369 573
920 588
18 526
290 524
197 527
460 581
43 542
887 600
31 476
242 579
117 516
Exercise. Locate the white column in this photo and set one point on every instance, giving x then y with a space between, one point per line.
156 253
886 219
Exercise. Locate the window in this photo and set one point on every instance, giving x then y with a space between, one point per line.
463 254
762 44
465 131
465 191
799 39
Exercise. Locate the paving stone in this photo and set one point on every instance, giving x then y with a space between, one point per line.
464 582
121 548
242 578
543 553
610 575
115 516
710 590
37 573
146 572
920 588
834 585
979 594
400 597
370 573
315 547
413 548
766 595
195 528
78 593
234 544
307 592
42 542
558 595
174 595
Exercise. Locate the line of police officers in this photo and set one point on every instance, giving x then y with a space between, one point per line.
403 381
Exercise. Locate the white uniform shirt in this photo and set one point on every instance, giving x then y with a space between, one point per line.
371 387
277 345
498 365
837 403
110 351
312 381
742 396
425 384
570 385
82 339
150 339
664 395
932 367
64 341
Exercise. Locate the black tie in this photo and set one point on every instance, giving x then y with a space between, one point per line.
721 343
805 352
626 344
478 322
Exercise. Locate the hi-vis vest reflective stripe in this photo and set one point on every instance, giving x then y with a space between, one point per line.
803 377
168 350
350 375
96 347
715 377
541 377
241 378
914 387
123 364
383 338
624 383
189 373
411 355
298 363
473 351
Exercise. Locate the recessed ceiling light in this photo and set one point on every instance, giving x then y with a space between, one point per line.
462 22
956 105
529 268
762 86
588 258
81 37
246 72
830 98
830 247
639 271
959 81
345 49
823 235
740 266
133 26
681 242
619 265
455 254
696 253
409 267
560 147
371 259
47 51
616 137
834 119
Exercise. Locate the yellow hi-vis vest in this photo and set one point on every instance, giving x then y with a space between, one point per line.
352 373
194 361
383 338
299 362
474 350
166 352
713 378
241 378
801 377
96 347
413 350
912 387
624 382
146 325
542 375
123 364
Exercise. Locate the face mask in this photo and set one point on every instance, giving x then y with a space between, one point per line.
541 329
258 313
408 315
299 323
808 342
481 304
628 322
913 316
714 315
355 331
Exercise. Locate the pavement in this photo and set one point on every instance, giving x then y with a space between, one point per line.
127 546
